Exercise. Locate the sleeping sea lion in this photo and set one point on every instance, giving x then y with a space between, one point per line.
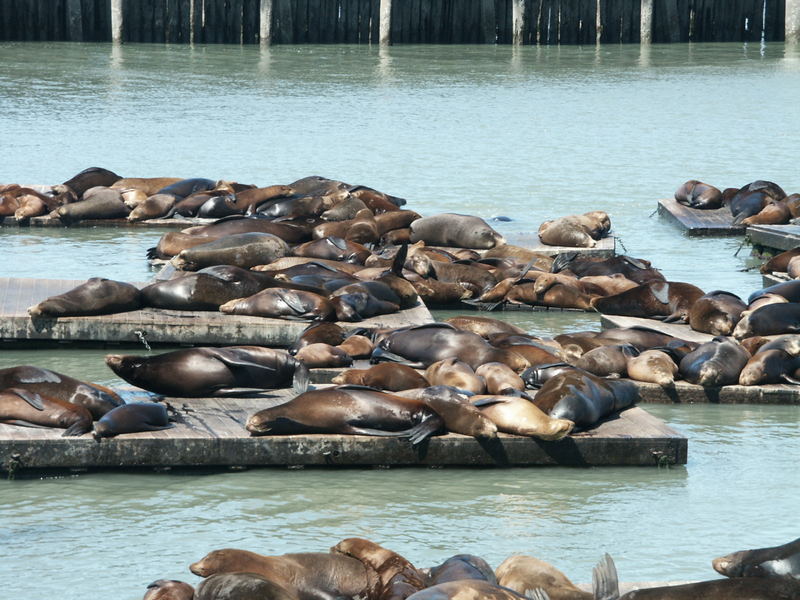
19 406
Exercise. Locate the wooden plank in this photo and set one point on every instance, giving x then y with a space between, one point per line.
780 237
212 434
768 279
674 329
605 248
696 222
157 223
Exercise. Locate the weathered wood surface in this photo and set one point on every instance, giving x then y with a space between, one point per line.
696 222
678 330
211 433
768 279
780 237
156 325
174 223
605 248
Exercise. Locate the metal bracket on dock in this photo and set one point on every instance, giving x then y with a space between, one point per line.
11 465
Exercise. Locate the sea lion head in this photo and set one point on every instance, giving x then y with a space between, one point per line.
169 589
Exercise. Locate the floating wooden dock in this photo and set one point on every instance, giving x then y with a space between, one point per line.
173 223
768 279
696 222
679 330
210 432
779 237
158 326
606 247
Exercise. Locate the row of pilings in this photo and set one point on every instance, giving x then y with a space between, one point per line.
544 22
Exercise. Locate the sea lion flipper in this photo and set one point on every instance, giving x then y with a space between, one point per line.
338 242
660 290
790 380
300 380
489 401
292 300
400 260
32 398
605 582
77 429
425 429
536 594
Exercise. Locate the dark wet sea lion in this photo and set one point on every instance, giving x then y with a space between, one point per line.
187 187
461 566
583 398
24 407
383 376
358 306
379 290
715 363
456 230
466 589
519 416
333 248
394 220
89 178
772 319
773 213
500 378
132 418
218 206
97 296
282 303
523 573
671 299
319 356
314 184
455 373
243 250
483 326
426 344
353 410
536 377
98 207
788 289
243 586
397 578
697 194
169 589
775 561
199 372
716 313
769 366
788 343
97 399
325 333
253 197
312 574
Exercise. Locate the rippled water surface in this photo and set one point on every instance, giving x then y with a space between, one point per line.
526 133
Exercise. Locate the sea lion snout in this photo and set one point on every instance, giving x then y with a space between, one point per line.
198 569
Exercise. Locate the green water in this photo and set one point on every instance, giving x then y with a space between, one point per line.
528 133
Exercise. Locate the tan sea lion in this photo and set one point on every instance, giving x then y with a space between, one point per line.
774 213
523 573
357 346
455 373
499 378
281 303
579 231
455 230
652 366
154 207
169 589
483 326
397 578
519 416
383 376
326 333
319 356
243 250
148 185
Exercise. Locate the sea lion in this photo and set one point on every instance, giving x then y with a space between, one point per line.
243 586
187 187
584 398
483 326
468 589
344 210
98 296
436 293
779 262
769 366
325 333
29 206
19 406
788 343
383 376
169 589
641 337
715 363
536 377
100 206
333 248
606 586
451 229
652 366
154 207
358 306
362 229
716 313
772 319
635 269
200 372
353 410
132 418
246 199
558 295
457 413
318 356
580 231
697 194
89 178
475 278
523 573
788 289
426 344
243 250
455 373
607 361
671 300
500 378
607 285
461 566
312 574
395 220
773 213
776 561
282 303
148 185
376 201
305 207
397 578
97 399
518 416
357 346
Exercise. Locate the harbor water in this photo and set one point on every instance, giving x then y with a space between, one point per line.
526 133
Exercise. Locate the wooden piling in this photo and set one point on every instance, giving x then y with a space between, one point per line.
116 21
74 21
518 21
646 27
792 22
385 35
265 23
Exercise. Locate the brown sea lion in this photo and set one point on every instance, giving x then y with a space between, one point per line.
397 578
24 407
459 231
697 194
483 326
344 209
671 300
376 201
98 296
457 413
775 561
769 366
523 573
714 363
716 313
792 269
558 295
436 293
246 199
358 306
780 262
470 276
97 399
774 213
788 343
383 376
608 285
148 185
100 206
202 372
518 416
455 373
244 586
132 418
362 229
652 366
333 248
312 574
89 178
499 378
325 333
607 361
394 220
169 589
154 207
243 250
581 231
357 346
772 319
319 356
461 566
353 410
282 303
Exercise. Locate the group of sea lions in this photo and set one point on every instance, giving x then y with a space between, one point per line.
357 568
757 203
